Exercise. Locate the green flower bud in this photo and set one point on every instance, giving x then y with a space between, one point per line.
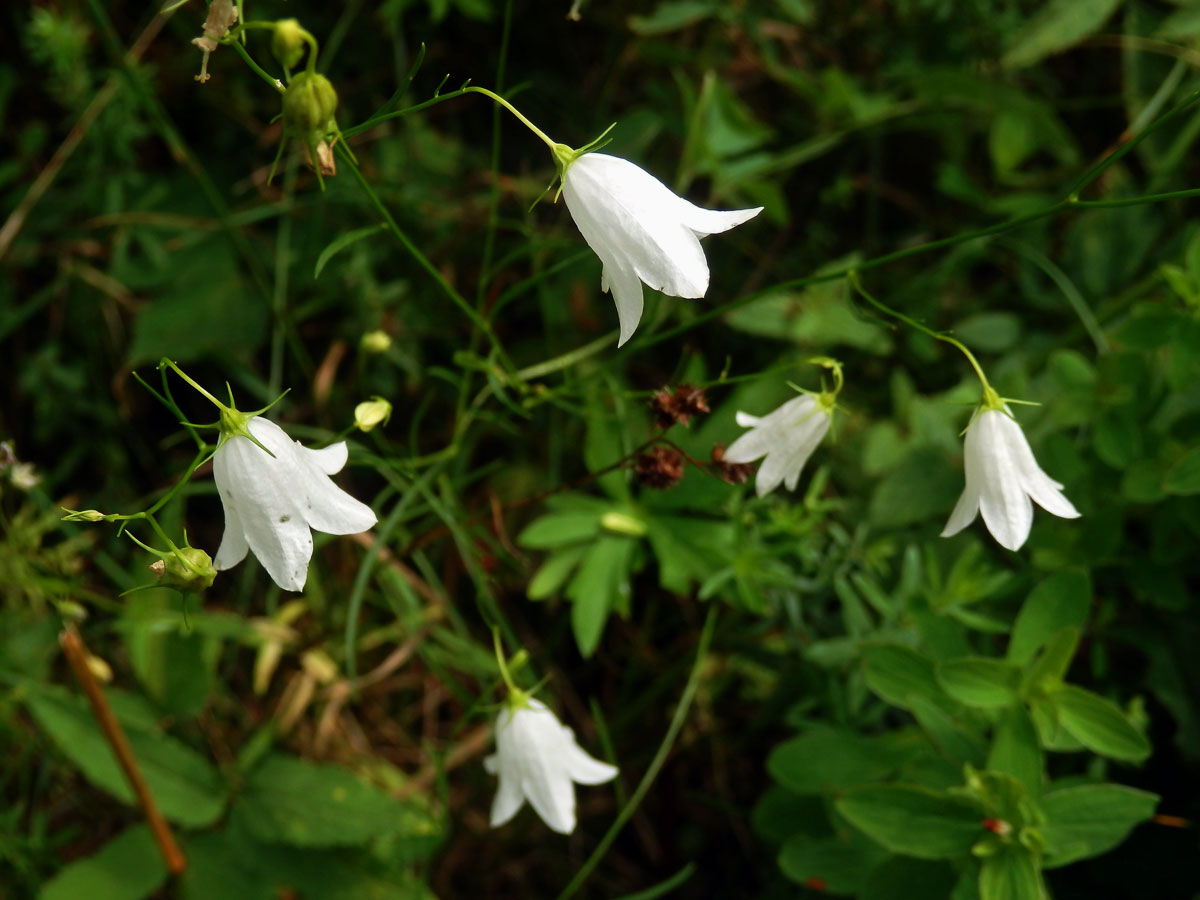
375 342
83 515
308 107
288 42
370 413
622 523
189 570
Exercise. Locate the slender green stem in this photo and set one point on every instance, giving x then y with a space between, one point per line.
396 113
256 68
1103 164
856 283
422 260
178 371
546 139
566 360
656 764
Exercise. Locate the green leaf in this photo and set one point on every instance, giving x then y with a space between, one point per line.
292 801
184 785
1048 670
896 672
554 572
342 241
1057 25
1183 477
914 821
1058 601
128 867
977 681
1015 749
838 866
826 761
1011 874
990 331
1098 724
950 739
920 488
600 586
1090 819
688 549
559 529
673 15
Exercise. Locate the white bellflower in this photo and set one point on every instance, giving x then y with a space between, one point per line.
272 502
787 437
538 759
642 231
1002 477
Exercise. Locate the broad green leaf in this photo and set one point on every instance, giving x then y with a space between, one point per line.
904 878
1057 25
1051 733
953 741
920 488
555 571
1098 724
559 529
781 813
1058 601
184 785
1015 749
838 866
991 331
292 801
827 761
343 241
688 549
914 821
128 867
1090 819
601 586
1051 666
896 672
978 681
1011 874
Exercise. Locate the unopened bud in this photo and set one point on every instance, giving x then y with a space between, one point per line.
318 664
308 106
101 669
375 342
622 523
83 515
370 413
189 570
288 42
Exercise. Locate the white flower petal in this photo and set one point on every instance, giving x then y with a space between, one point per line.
507 802
326 507
751 445
233 547
713 221
627 294
329 460
584 768
965 511
746 420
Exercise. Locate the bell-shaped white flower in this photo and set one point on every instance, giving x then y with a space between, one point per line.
787 437
642 231
538 759
1002 477
272 502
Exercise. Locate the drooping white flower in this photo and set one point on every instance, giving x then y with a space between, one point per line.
538 759
271 503
642 231
1002 476
787 437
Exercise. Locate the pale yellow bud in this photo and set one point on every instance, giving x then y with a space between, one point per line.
370 413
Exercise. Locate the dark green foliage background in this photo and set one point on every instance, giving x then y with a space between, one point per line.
863 129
